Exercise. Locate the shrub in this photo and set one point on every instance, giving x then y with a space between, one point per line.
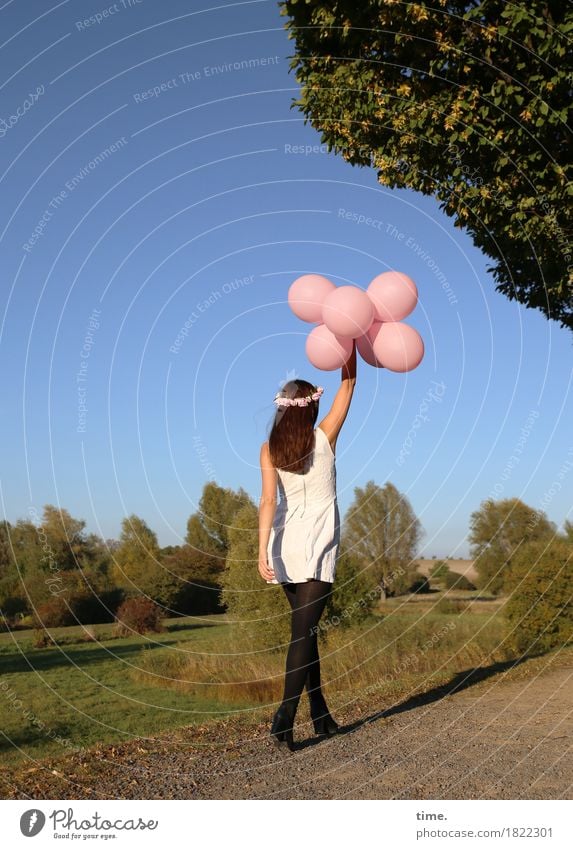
259 612
540 605
354 594
450 605
13 608
140 615
77 607
54 613
453 580
97 608
41 638
440 569
498 530
420 584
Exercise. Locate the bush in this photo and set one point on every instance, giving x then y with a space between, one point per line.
439 570
450 605
54 613
540 605
453 580
13 608
140 615
258 612
96 609
41 639
199 576
420 584
354 593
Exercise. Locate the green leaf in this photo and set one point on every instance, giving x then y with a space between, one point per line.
527 259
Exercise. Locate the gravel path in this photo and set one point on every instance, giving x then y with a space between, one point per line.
506 736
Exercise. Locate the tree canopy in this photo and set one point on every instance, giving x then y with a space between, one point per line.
382 532
137 563
498 529
465 100
208 528
540 605
257 610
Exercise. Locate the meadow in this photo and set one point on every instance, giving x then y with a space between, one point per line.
83 691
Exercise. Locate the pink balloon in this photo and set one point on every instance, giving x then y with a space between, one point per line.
364 345
393 294
348 311
306 295
398 346
325 350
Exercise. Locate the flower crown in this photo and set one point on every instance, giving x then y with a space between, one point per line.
282 401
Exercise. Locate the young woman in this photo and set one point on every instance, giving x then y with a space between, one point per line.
299 537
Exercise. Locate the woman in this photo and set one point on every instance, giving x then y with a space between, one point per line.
299 537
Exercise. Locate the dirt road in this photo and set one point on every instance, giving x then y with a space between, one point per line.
499 734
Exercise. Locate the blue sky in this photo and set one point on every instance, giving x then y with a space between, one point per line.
162 197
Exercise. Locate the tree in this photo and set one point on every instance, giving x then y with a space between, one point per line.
259 611
540 606
381 530
12 601
208 529
138 615
65 537
34 569
199 578
439 570
56 559
28 551
497 530
354 594
568 530
456 581
5 546
137 565
465 100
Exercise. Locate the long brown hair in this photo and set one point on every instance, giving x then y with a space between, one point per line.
291 440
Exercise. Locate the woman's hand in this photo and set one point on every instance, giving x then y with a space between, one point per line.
265 570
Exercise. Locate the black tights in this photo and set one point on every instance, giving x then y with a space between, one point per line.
307 601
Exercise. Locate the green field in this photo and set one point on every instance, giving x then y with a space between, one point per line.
88 692
81 692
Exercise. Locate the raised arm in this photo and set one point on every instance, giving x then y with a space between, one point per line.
333 421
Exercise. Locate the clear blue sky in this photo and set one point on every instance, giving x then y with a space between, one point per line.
166 191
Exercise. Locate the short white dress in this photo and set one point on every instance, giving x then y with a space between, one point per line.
305 534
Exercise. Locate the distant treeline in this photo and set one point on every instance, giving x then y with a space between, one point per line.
57 573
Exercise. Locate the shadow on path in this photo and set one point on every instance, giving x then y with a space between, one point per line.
460 681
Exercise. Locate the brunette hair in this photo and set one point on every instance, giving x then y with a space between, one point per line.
291 440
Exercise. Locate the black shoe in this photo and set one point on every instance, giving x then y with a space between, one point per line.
325 725
323 722
281 728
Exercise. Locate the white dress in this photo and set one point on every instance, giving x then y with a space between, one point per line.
305 534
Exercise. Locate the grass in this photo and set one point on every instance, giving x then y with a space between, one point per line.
405 642
81 692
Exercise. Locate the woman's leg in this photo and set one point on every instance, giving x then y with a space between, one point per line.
307 601
312 681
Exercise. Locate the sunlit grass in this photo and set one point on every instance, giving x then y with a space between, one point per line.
82 693
87 692
406 643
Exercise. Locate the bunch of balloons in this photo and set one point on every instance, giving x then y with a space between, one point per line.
372 317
